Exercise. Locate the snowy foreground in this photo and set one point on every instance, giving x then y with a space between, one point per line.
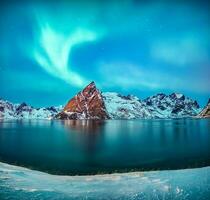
21 183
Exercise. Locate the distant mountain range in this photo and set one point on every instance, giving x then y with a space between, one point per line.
23 111
90 103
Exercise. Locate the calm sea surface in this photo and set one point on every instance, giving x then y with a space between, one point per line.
91 147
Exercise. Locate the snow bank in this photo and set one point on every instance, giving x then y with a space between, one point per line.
21 183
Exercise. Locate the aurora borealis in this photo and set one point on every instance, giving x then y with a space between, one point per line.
51 49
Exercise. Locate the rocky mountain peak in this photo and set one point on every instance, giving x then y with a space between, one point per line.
21 106
177 96
205 113
87 104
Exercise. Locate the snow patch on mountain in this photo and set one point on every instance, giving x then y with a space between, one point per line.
179 95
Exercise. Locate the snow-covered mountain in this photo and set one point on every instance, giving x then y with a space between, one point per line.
158 106
174 105
24 111
125 107
90 103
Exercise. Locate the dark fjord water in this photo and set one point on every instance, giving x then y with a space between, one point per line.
91 147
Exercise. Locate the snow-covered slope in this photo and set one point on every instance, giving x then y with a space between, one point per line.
172 106
125 107
6 109
24 111
157 106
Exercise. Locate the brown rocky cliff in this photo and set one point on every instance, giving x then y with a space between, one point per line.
87 104
205 113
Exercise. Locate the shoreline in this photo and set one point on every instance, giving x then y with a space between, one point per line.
99 175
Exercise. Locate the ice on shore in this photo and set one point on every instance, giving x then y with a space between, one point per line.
22 183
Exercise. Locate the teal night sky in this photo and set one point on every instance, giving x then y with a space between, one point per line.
49 50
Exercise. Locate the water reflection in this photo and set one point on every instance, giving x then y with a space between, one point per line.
87 135
92 146
85 126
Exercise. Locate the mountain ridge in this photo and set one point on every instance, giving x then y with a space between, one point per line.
90 103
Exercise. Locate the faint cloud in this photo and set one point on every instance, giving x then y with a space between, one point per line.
130 76
179 52
127 75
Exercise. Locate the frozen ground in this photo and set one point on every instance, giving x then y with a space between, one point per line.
20 183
